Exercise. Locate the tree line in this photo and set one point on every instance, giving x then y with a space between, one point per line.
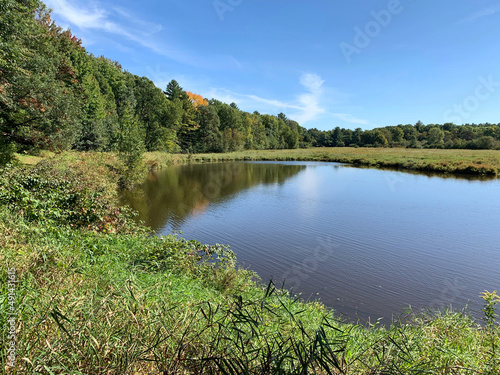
55 95
449 135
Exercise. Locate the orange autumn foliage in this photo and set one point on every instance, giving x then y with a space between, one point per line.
196 99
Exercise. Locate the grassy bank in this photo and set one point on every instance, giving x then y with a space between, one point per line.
476 162
96 294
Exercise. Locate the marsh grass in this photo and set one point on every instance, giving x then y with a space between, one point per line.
473 162
113 299
468 162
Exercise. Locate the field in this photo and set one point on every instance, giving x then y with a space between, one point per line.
474 162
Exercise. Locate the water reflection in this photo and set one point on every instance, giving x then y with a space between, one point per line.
367 242
431 174
177 193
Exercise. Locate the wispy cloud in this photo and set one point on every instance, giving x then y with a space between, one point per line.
246 100
92 17
117 21
309 102
482 13
147 27
272 102
346 117
306 108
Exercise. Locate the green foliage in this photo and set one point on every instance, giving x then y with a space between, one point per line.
489 310
208 136
435 138
174 90
188 126
450 136
92 133
39 92
213 263
44 193
129 138
7 150
151 109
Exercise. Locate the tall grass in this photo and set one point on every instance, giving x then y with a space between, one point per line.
474 162
112 299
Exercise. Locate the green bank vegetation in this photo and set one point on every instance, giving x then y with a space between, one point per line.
96 293
474 162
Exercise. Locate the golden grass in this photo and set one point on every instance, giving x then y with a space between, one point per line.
474 162
477 162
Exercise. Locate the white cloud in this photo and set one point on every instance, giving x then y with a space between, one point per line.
309 102
82 18
311 81
250 102
225 96
148 28
346 117
271 102
119 22
236 62
482 13
307 106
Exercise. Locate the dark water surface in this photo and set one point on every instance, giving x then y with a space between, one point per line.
367 242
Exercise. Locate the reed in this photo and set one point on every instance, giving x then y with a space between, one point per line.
472 162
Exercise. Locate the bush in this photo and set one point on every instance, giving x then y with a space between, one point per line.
484 143
45 193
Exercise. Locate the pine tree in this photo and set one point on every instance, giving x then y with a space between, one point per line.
174 90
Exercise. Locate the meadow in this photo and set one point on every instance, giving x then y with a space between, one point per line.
474 162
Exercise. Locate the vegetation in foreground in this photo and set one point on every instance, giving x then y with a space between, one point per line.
474 162
96 294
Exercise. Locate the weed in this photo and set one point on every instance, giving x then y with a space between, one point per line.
491 299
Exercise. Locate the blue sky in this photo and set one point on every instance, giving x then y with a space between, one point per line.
323 63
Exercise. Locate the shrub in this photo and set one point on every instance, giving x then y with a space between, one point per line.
45 193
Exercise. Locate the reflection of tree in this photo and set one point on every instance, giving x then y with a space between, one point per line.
177 192
430 174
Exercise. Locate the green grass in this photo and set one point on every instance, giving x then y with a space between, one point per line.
32 159
474 162
102 296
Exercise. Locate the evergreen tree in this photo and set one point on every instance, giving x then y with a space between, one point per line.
174 90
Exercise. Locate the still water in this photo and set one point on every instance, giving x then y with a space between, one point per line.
366 242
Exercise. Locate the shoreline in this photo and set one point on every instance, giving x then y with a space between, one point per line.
456 162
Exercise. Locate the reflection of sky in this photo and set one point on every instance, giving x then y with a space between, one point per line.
318 188
392 238
308 187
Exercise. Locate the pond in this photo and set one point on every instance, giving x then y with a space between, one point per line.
366 242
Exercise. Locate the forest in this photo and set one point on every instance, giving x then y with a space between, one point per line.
55 95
